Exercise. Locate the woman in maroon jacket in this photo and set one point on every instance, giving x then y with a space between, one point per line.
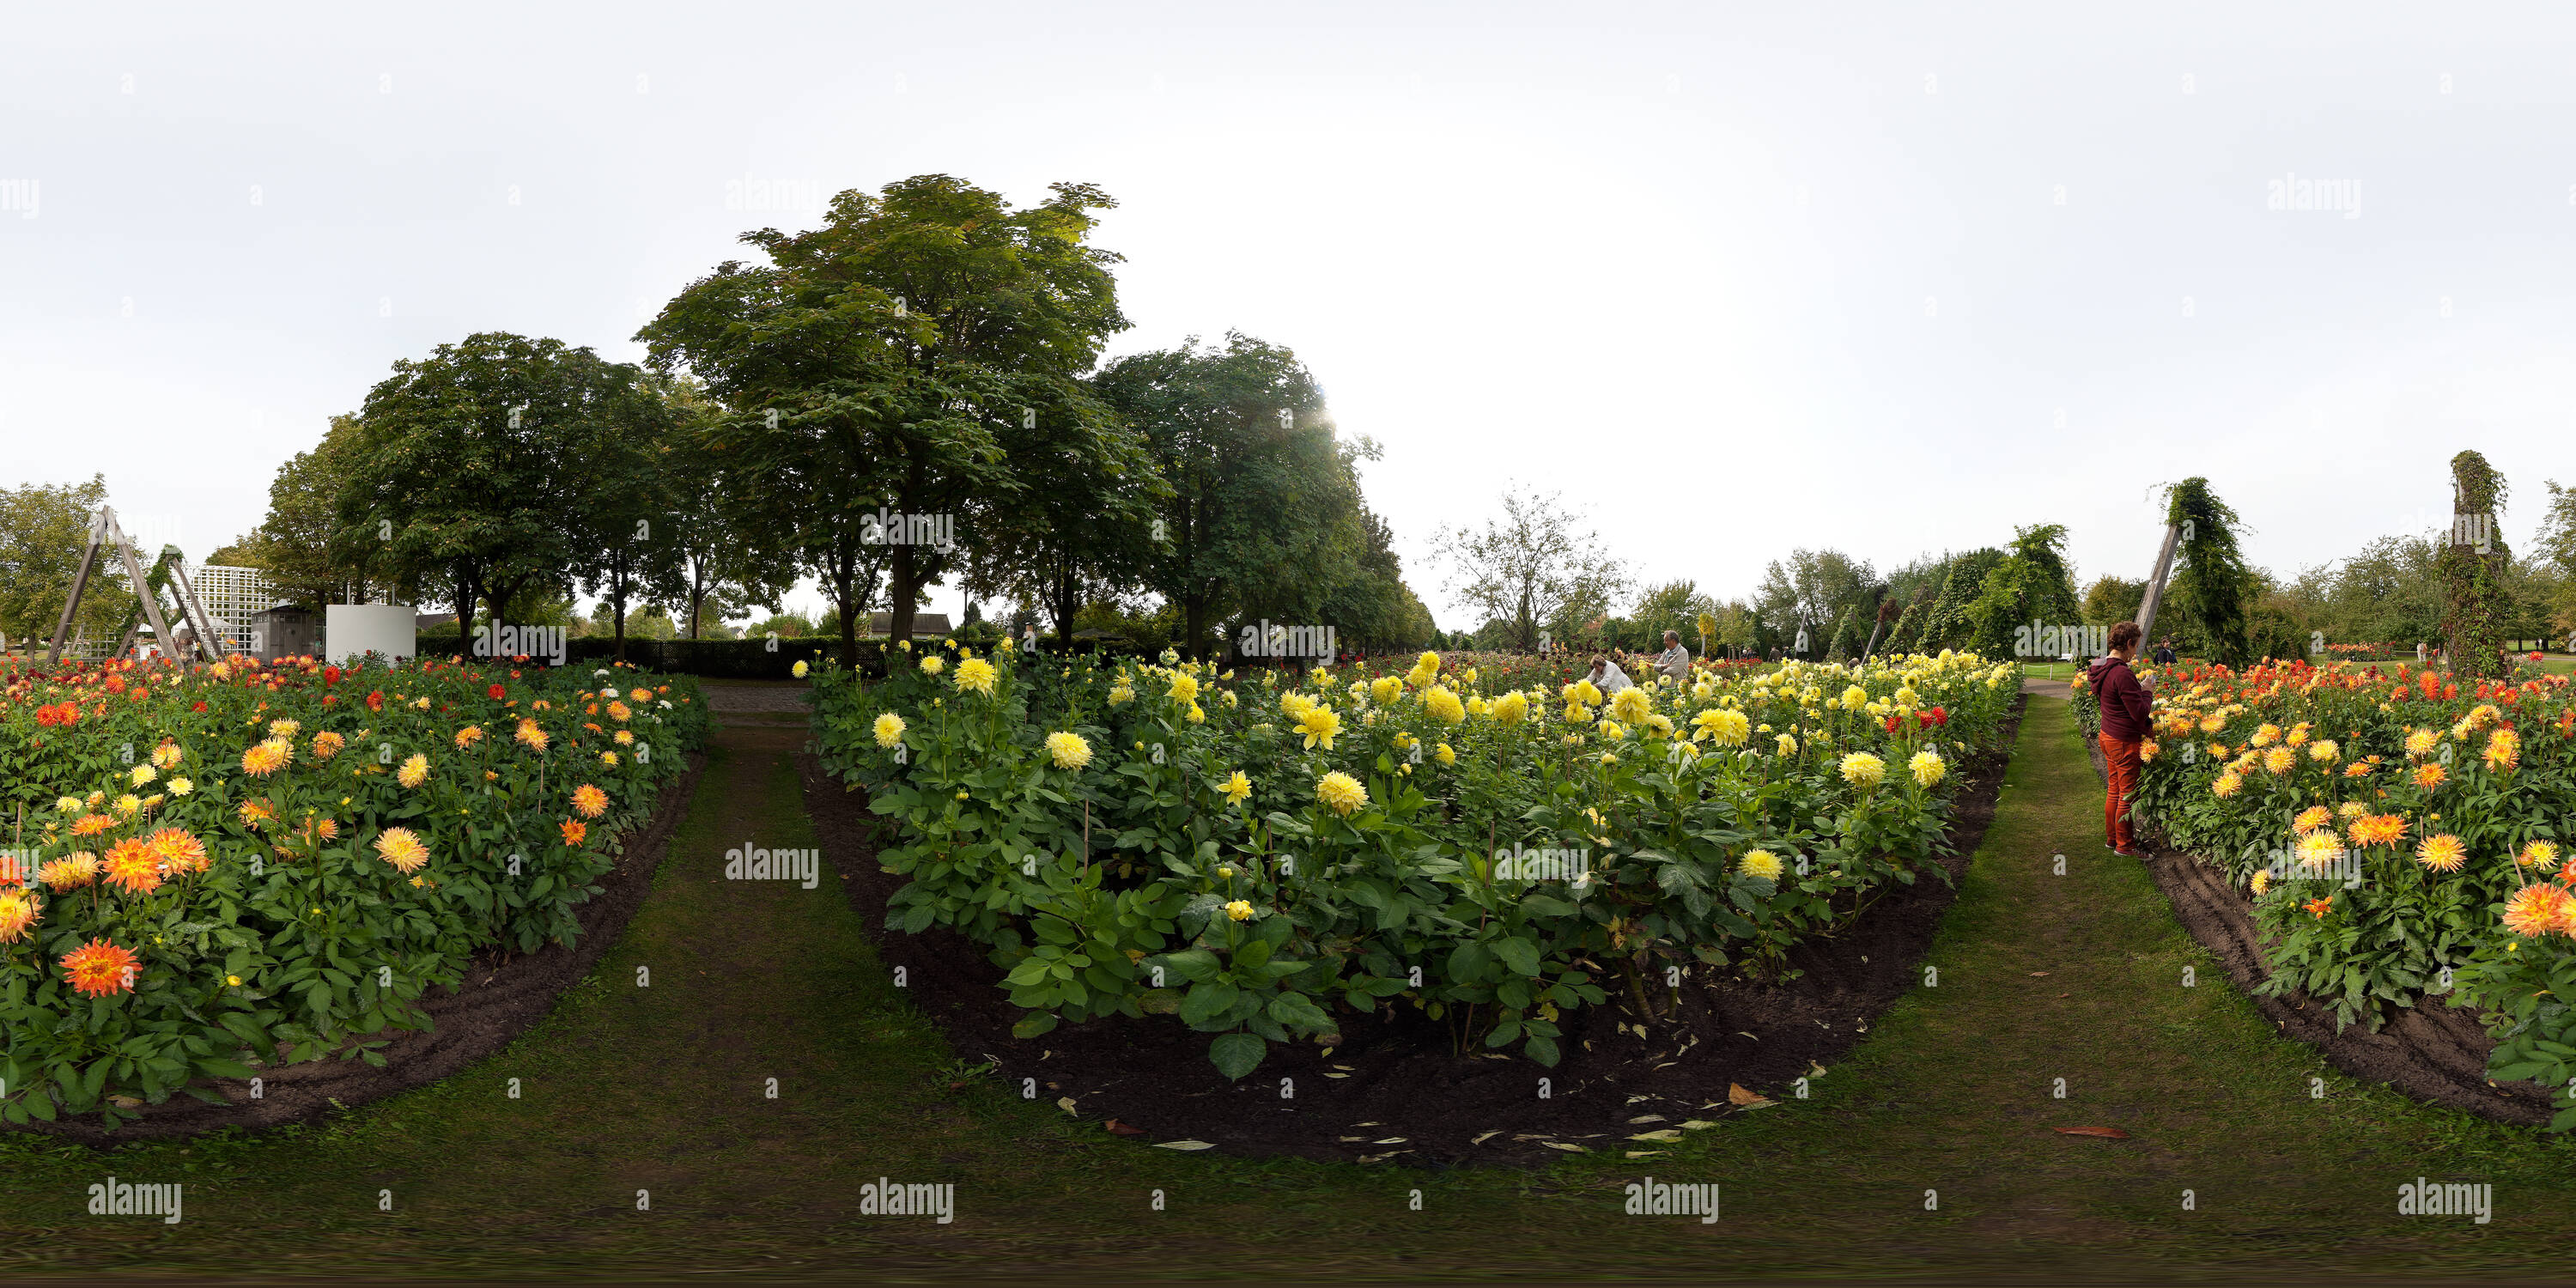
2124 704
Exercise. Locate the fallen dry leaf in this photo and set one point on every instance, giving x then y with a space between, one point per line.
1486 1137
2106 1133
1645 1118
2037 973
1737 1095
1571 1149
1666 1134
1183 1144
1698 1124
1645 1153
1117 1128
1065 1103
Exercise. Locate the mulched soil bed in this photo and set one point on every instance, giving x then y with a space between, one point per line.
501 996
2430 1051
1394 1090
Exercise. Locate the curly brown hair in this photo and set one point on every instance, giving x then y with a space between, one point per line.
2125 636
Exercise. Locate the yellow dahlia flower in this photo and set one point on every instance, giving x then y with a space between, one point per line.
1342 792
1068 750
1443 705
1631 704
1320 724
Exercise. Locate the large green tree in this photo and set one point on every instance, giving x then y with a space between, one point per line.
881 361
1820 593
1081 526
44 530
1263 512
715 569
630 483
468 466
2111 600
1946 623
1532 568
1672 606
2031 584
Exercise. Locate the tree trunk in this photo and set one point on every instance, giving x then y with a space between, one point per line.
844 577
906 591
697 593
465 597
1061 601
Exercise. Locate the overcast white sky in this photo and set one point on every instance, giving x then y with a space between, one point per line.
1889 278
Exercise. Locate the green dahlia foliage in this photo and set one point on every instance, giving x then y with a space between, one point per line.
2403 833
218 868
1262 856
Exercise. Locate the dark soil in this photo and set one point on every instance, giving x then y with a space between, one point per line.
1394 1089
2431 1051
501 996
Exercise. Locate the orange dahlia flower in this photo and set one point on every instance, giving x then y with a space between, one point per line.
132 868
17 916
179 849
261 759
2536 910
70 872
2379 829
2443 853
99 968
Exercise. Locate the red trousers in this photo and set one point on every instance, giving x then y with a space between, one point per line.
2122 757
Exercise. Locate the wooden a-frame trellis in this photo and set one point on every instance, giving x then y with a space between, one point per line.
104 531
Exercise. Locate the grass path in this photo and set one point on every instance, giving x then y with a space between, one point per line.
664 1089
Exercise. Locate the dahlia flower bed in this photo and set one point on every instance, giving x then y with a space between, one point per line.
215 862
2401 832
1259 856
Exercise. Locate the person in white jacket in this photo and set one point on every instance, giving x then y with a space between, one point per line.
1607 677
1674 661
